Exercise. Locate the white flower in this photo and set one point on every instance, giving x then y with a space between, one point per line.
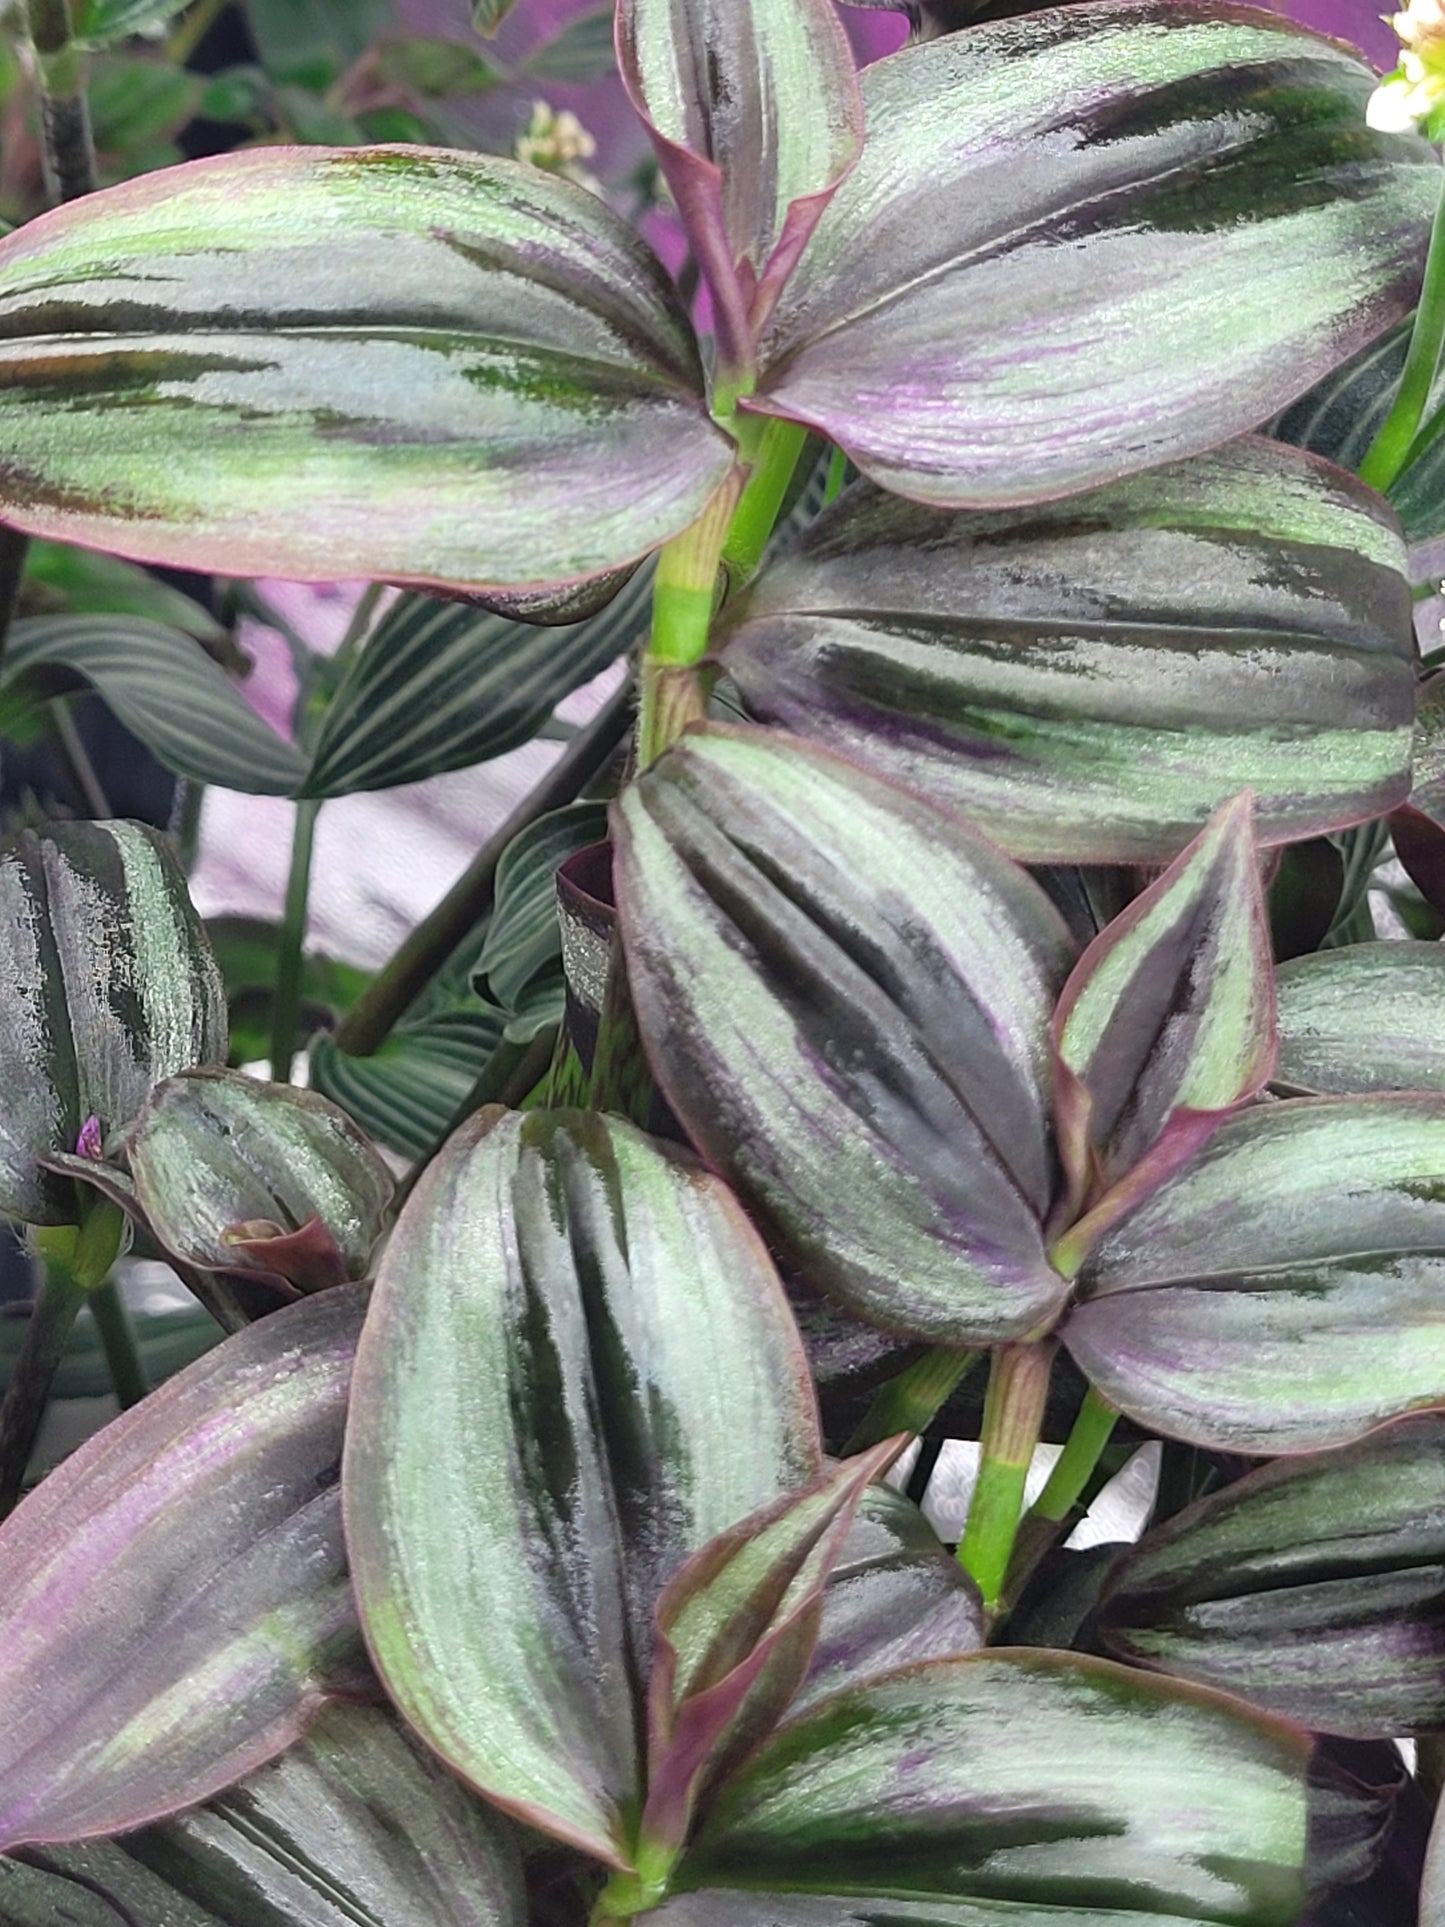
1414 94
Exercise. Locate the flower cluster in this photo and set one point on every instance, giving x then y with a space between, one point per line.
1413 94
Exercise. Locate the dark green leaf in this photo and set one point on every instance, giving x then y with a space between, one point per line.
1091 680
407 1093
1368 1017
1035 1788
1168 1017
79 582
135 101
523 936
1314 1587
441 687
228 395
165 689
311 41
435 69
579 1368
217 1158
1283 1292
1081 186
176 1601
583 51
108 986
845 995
102 23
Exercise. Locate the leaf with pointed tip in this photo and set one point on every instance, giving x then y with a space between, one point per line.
488 15
214 1153
736 1629
1090 681
523 936
176 1603
104 23
1169 1011
845 993
168 693
1285 1291
754 110
1367 1017
579 1368
1312 1587
894 1598
1053 1789
441 687
355 1823
408 1091
230 395
109 985
1081 185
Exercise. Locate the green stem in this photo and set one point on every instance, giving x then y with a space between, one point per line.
779 447
408 972
673 691
291 962
910 1402
28 1393
1012 1415
1385 457
64 111
78 766
837 473
117 1336
360 623
14 548
1093 1428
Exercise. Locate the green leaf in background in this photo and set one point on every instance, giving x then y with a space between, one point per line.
754 111
524 937
109 986
579 1368
167 691
435 69
180 1584
355 1824
136 102
310 42
1065 181
585 49
845 994
440 687
1091 680
1168 1017
1363 1018
488 15
1313 1587
60 580
103 23
247 949
408 1092
1286 1290
520 325
895 1598
236 1175
1037 1788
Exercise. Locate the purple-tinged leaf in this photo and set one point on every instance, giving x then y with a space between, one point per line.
578 1369
204 367
736 1630
1169 1012
1090 681
1015 294
356 1823
1367 1017
108 984
894 1598
753 107
1313 1587
1058 1791
845 992
1285 1291
175 1598
235 1175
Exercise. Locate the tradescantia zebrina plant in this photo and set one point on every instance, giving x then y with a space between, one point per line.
503 1563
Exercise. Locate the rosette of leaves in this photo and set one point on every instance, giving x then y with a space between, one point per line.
603 1572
